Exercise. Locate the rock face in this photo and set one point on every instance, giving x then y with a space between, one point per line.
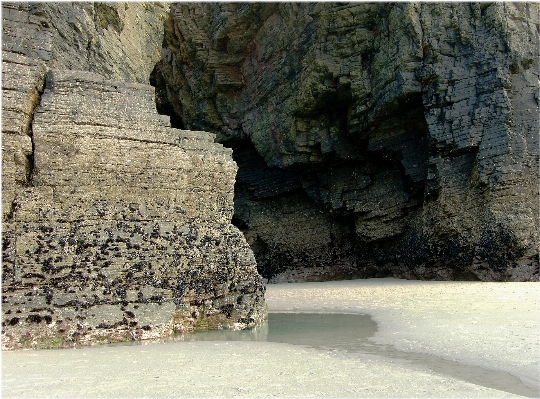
39 36
119 40
372 139
115 225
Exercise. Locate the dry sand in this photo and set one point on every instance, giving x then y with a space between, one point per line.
493 325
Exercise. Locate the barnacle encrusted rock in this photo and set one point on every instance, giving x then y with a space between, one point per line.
124 232
115 226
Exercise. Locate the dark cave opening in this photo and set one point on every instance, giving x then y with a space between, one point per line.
238 222
293 226
281 210
167 109
163 106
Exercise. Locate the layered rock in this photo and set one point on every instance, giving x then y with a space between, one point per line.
115 225
120 41
383 139
125 230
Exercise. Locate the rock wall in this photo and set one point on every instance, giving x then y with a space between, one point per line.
373 139
115 225
119 40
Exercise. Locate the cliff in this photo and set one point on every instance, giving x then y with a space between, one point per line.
115 225
372 139
368 139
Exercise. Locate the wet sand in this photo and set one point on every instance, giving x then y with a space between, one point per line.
490 325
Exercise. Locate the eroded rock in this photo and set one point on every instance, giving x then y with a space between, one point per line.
411 128
115 225
125 230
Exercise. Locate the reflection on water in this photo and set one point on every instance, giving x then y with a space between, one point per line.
350 334
320 330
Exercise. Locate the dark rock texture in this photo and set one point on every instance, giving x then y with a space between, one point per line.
115 225
372 138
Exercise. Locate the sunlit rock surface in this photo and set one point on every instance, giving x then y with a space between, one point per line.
115 225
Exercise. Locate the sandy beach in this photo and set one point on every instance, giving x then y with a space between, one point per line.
485 326
494 325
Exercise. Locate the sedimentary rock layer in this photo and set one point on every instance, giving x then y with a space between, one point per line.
373 139
124 232
119 41
115 226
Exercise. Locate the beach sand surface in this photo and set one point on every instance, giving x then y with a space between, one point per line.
486 326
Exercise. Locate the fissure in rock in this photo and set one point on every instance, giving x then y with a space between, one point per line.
163 106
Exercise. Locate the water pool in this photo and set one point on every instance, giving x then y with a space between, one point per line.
350 335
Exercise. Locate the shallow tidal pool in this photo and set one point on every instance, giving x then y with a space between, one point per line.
362 338
348 334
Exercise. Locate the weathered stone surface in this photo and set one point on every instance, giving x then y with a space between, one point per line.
119 40
115 226
124 232
413 127
22 84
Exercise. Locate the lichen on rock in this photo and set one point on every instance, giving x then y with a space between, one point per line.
396 124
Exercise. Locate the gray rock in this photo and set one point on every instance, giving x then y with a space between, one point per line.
415 126
115 225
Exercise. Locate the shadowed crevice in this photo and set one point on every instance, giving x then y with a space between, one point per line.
163 106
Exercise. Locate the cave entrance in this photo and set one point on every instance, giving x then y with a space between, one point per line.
163 105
